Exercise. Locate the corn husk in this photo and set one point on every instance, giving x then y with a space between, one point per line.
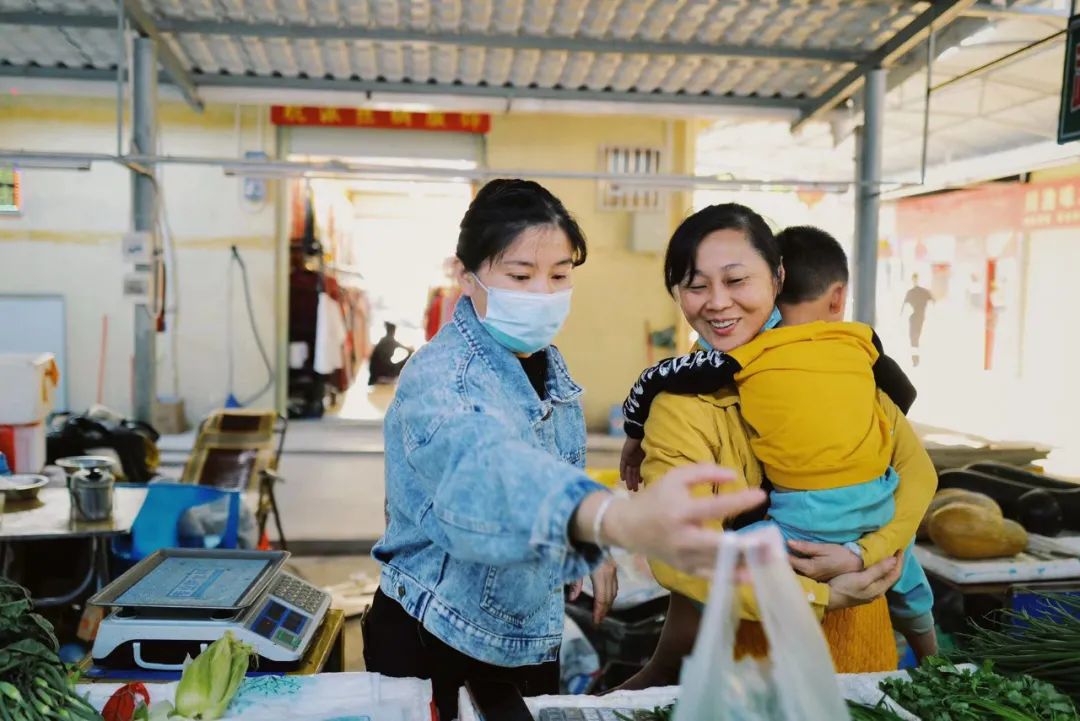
210 681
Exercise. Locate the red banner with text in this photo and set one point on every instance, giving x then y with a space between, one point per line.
992 208
389 119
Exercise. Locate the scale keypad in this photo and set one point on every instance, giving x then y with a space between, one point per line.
283 625
299 594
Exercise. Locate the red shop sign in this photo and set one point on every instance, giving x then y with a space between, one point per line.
993 208
392 119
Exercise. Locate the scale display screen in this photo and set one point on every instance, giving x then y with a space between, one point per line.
193 582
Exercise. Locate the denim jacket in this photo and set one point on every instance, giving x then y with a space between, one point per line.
482 478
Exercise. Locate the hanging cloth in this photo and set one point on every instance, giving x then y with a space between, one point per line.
329 336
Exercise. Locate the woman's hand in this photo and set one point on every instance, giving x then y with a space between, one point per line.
630 461
665 522
855 589
823 561
605 584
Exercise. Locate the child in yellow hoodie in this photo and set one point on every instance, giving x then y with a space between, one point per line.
807 388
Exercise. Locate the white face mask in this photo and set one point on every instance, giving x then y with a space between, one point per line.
524 322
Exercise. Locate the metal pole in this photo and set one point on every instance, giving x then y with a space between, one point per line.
279 190
144 217
868 194
121 61
930 51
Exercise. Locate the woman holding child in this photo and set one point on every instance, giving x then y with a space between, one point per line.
724 268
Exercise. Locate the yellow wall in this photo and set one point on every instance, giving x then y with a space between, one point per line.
617 291
1059 173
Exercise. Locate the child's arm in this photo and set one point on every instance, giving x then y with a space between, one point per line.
918 483
889 377
696 372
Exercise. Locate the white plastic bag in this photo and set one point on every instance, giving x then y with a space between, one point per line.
797 683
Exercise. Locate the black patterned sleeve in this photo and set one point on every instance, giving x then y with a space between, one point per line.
696 372
890 377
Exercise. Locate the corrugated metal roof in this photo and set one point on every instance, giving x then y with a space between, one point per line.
516 41
1012 104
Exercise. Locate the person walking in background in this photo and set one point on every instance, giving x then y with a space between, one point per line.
918 298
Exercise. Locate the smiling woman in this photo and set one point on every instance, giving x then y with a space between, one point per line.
726 280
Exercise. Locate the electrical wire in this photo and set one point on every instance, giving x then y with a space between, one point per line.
230 373
172 293
254 328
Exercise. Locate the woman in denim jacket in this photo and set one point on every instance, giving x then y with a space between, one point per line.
489 512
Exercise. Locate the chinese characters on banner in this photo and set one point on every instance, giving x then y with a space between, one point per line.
364 118
992 208
1054 204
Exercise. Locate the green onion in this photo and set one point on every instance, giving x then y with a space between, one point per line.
1045 648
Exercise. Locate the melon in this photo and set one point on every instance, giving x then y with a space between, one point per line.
971 531
954 495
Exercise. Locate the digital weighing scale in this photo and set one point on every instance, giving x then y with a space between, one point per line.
177 601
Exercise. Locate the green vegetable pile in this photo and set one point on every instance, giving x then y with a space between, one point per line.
34 683
939 691
881 712
1047 647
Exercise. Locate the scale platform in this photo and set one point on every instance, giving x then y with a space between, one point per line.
175 602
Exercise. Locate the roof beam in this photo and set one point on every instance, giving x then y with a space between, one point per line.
65 73
54 19
485 40
937 16
500 91
372 86
1048 42
170 63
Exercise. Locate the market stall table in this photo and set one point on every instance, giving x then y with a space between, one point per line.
862 688
975 588
48 518
321 697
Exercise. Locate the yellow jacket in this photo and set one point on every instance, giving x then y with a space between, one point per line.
710 429
808 392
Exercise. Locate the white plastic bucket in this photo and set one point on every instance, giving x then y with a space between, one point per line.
27 387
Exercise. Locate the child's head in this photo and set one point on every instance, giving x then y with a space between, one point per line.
815 276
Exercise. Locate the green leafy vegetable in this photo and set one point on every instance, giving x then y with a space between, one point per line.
939 691
34 683
659 713
880 712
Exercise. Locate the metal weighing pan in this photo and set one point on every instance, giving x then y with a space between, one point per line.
108 596
22 486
